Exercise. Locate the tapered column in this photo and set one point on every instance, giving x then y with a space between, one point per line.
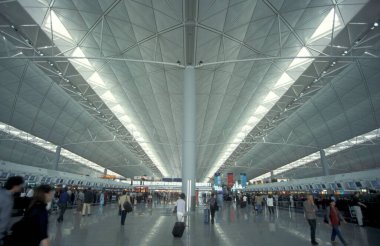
57 156
325 163
189 136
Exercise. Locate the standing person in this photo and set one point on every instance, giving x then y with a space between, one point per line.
244 201
356 204
122 199
181 207
79 201
270 204
32 230
12 185
259 203
101 198
69 193
213 206
64 199
88 199
310 210
334 218
291 200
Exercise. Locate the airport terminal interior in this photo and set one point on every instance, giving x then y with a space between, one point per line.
189 122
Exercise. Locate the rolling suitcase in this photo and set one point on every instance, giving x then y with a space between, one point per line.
206 213
178 229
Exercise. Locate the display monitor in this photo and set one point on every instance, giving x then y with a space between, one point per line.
358 184
3 175
375 184
339 185
351 185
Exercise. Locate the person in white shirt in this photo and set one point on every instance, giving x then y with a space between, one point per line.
30 192
122 199
181 208
270 204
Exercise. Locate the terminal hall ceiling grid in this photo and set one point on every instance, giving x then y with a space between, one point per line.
104 80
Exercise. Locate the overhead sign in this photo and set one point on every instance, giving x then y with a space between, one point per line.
230 180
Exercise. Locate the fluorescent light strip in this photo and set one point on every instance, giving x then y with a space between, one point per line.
51 147
279 89
97 84
369 136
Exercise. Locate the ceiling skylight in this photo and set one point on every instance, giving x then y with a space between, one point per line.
51 147
98 85
367 137
83 61
330 22
278 89
52 21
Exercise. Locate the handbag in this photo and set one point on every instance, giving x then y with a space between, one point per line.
127 206
216 207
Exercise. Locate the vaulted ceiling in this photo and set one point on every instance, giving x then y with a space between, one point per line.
71 72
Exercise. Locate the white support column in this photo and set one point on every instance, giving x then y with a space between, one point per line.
324 162
189 136
57 156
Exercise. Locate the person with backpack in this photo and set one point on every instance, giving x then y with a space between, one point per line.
32 229
213 206
334 218
123 205
12 185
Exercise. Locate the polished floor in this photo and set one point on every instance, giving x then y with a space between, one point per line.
234 226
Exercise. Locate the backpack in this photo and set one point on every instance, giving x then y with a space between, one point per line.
214 205
127 206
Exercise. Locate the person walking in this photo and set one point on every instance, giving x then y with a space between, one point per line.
334 218
213 206
88 199
64 199
32 229
181 207
270 204
12 185
356 204
310 210
122 199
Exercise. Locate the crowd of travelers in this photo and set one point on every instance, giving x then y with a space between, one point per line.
39 201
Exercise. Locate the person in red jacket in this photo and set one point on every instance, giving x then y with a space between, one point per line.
334 218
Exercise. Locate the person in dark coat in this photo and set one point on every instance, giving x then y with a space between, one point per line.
32 229
88 199
64 198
